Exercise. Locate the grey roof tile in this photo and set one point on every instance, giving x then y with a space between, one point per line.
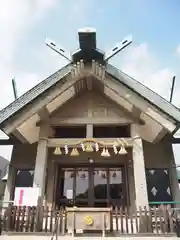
145 92
33 93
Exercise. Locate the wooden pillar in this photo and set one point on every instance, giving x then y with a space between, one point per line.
139 169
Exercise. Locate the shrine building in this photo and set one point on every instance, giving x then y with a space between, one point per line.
90 135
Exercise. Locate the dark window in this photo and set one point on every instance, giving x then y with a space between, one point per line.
158 185
24 178
70 132
111 131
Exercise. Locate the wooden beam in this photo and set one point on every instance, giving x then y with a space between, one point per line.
161 135
108 142
90 120
44 114
127 108
175 140
132 98
19 136
5 142
136 112
35 106
61 99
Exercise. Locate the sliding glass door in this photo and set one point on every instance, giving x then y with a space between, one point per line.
91 186
108 187
82 193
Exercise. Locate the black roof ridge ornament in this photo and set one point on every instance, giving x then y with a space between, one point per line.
88 50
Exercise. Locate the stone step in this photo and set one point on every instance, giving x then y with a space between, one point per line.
34 237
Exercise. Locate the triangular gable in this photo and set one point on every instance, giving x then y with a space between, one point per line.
91 107
119 87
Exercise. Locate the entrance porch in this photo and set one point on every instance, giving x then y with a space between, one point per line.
133 175
92 179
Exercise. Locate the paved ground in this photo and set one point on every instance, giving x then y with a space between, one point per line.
82 238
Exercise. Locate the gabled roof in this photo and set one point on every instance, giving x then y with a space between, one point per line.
34 92
152 97
145 92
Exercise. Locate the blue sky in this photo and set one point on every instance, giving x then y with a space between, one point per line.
155 22
153 58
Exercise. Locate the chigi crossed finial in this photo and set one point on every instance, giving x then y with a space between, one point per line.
88 50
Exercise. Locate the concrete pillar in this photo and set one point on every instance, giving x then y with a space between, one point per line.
50 182
139 169
40 166
9 185
173 176
89 130
132 195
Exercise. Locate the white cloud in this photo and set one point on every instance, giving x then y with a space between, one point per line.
17 17
140 63
178 50
80 6
43 5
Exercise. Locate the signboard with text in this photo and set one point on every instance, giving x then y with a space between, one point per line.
26 196
69 194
